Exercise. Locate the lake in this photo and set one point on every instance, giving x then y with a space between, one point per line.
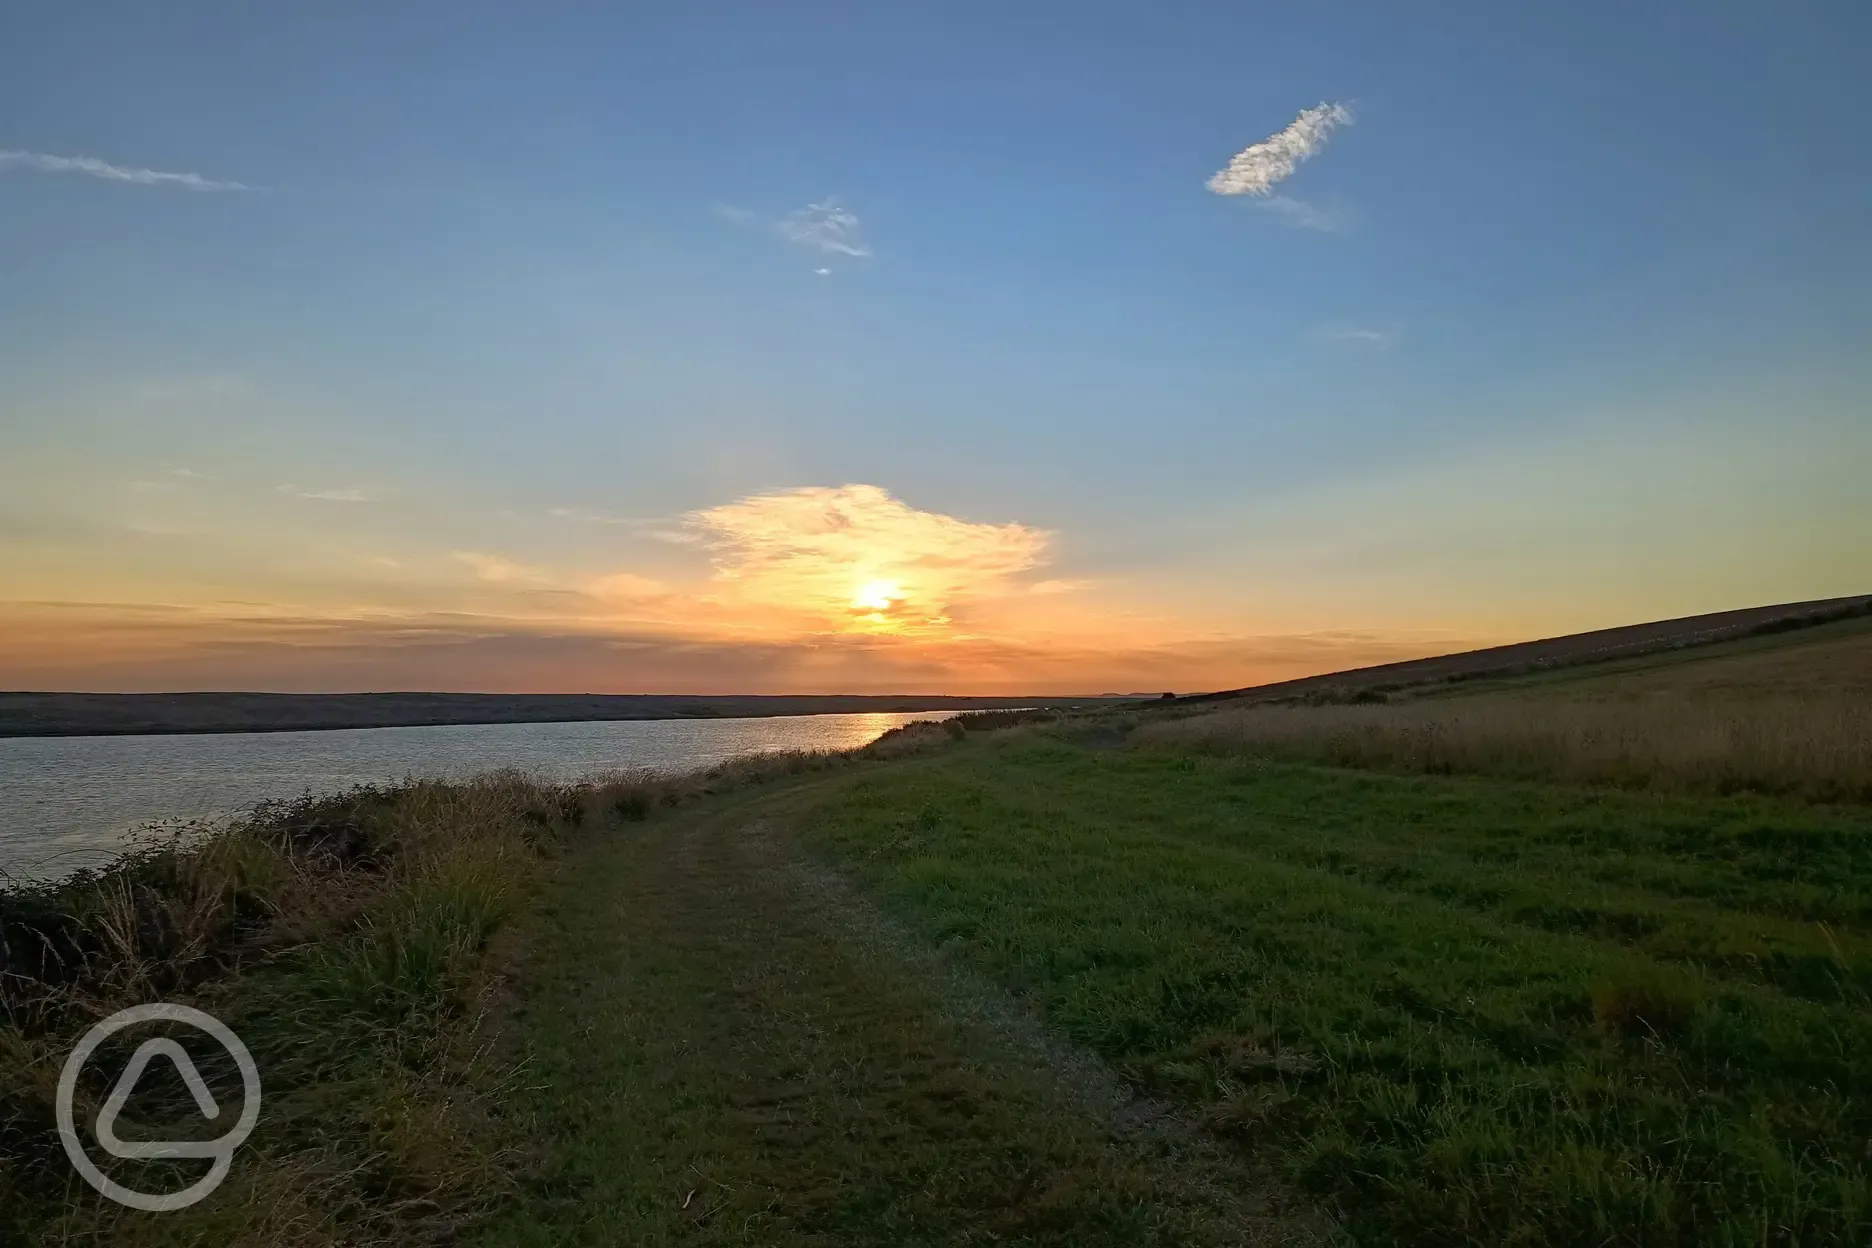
68 802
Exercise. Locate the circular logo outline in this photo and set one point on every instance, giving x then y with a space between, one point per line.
221 1150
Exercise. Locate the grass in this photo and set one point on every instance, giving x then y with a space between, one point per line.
1817 746
1458 1010
1787 713
1567 959
354 944
724 1052
344 940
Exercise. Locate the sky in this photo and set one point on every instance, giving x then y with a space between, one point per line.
961 347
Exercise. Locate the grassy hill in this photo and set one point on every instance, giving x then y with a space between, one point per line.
1550 653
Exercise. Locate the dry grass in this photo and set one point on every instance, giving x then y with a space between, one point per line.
1816 746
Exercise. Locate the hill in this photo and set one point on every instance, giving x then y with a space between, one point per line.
1598 646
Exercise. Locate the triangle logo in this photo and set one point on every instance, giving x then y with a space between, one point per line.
178 1057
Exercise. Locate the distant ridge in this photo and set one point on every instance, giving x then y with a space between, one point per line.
1596 646
139 714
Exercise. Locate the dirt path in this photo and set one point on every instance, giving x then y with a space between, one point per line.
728 1046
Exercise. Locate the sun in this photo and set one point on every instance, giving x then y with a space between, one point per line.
877 596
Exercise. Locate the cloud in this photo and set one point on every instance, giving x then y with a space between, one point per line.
495 568
626 587
596 517
1360 335
1330 219
856 557
326 496
92 167
1258 167
823 272
827 226
134 646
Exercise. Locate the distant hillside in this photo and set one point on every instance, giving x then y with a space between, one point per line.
105 714
1598 646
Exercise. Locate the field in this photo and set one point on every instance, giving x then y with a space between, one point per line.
1789 713
1576 957
1458 1010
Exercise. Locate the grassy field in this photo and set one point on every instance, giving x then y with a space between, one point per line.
1789 713
1455 1009
1134 978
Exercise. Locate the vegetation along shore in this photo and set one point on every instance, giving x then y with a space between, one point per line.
1576 956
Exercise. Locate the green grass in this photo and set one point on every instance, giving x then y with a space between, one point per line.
1054 985
346 942
1456 1009
719 1053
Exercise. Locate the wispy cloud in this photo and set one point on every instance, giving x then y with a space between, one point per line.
1258 167
325 496
1328 219
92 167
1358 335
497 568
826 226
599 517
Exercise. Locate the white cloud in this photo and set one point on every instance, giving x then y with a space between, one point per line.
1359 335
326 496
92 167
1258 167
827 226
823 272
857 552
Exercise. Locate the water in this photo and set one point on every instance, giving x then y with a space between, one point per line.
68 802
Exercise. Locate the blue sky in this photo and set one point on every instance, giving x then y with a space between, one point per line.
1566 326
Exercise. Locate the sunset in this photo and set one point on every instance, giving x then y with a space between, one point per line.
1053 624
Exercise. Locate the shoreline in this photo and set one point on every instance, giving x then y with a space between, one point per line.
38 715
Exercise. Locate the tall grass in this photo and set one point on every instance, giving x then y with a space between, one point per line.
343 939
1815 746
346 940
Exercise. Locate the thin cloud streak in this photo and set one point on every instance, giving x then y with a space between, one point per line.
1331 219
1258 167
326 496
827 226
92 167
1359 335
128 646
